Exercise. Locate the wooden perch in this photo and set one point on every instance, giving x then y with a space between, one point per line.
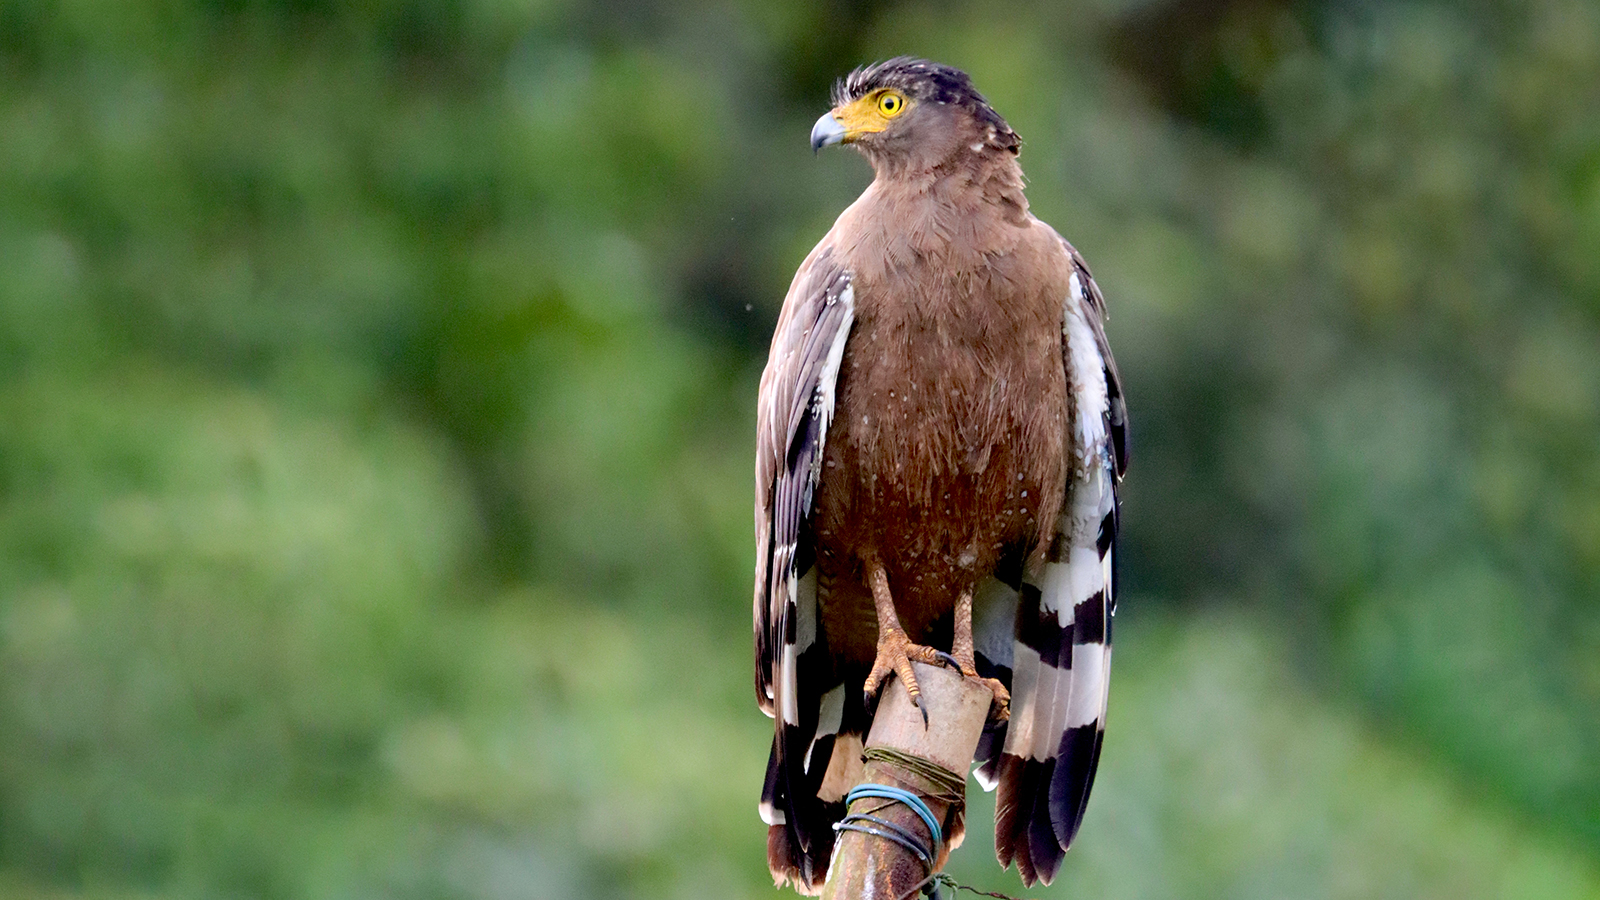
867 867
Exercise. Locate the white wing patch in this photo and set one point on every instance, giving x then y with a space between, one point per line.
1087 381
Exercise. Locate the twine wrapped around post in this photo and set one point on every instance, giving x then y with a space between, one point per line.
931 762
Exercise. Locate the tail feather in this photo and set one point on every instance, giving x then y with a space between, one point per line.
813 763
1061 660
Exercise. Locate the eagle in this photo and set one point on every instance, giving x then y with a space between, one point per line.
940 440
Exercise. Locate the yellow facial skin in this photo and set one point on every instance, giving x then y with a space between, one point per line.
870 114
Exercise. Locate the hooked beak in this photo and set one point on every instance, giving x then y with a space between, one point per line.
828 130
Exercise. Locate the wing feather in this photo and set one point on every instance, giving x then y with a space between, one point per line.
793 677
1062 650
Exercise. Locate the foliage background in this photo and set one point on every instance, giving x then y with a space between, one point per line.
376 388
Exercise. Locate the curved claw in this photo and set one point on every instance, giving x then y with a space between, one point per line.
895 655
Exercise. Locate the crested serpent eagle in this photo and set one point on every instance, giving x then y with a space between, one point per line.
941 435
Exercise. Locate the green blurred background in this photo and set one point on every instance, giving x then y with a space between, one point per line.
376 412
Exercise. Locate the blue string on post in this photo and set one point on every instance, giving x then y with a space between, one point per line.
889 830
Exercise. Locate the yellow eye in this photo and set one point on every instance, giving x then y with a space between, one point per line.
891 104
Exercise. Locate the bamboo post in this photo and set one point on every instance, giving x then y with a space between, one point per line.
866 867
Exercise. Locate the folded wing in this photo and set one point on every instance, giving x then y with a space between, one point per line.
794 679
1061 651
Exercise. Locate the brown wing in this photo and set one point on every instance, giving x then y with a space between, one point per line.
793 683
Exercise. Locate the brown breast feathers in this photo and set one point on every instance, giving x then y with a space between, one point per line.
947 448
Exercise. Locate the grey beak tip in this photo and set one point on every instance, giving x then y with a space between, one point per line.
826 131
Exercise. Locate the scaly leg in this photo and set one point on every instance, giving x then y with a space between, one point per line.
895 650
967 662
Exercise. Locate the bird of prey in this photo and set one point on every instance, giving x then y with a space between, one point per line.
941 434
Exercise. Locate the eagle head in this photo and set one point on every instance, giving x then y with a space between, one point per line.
912 113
